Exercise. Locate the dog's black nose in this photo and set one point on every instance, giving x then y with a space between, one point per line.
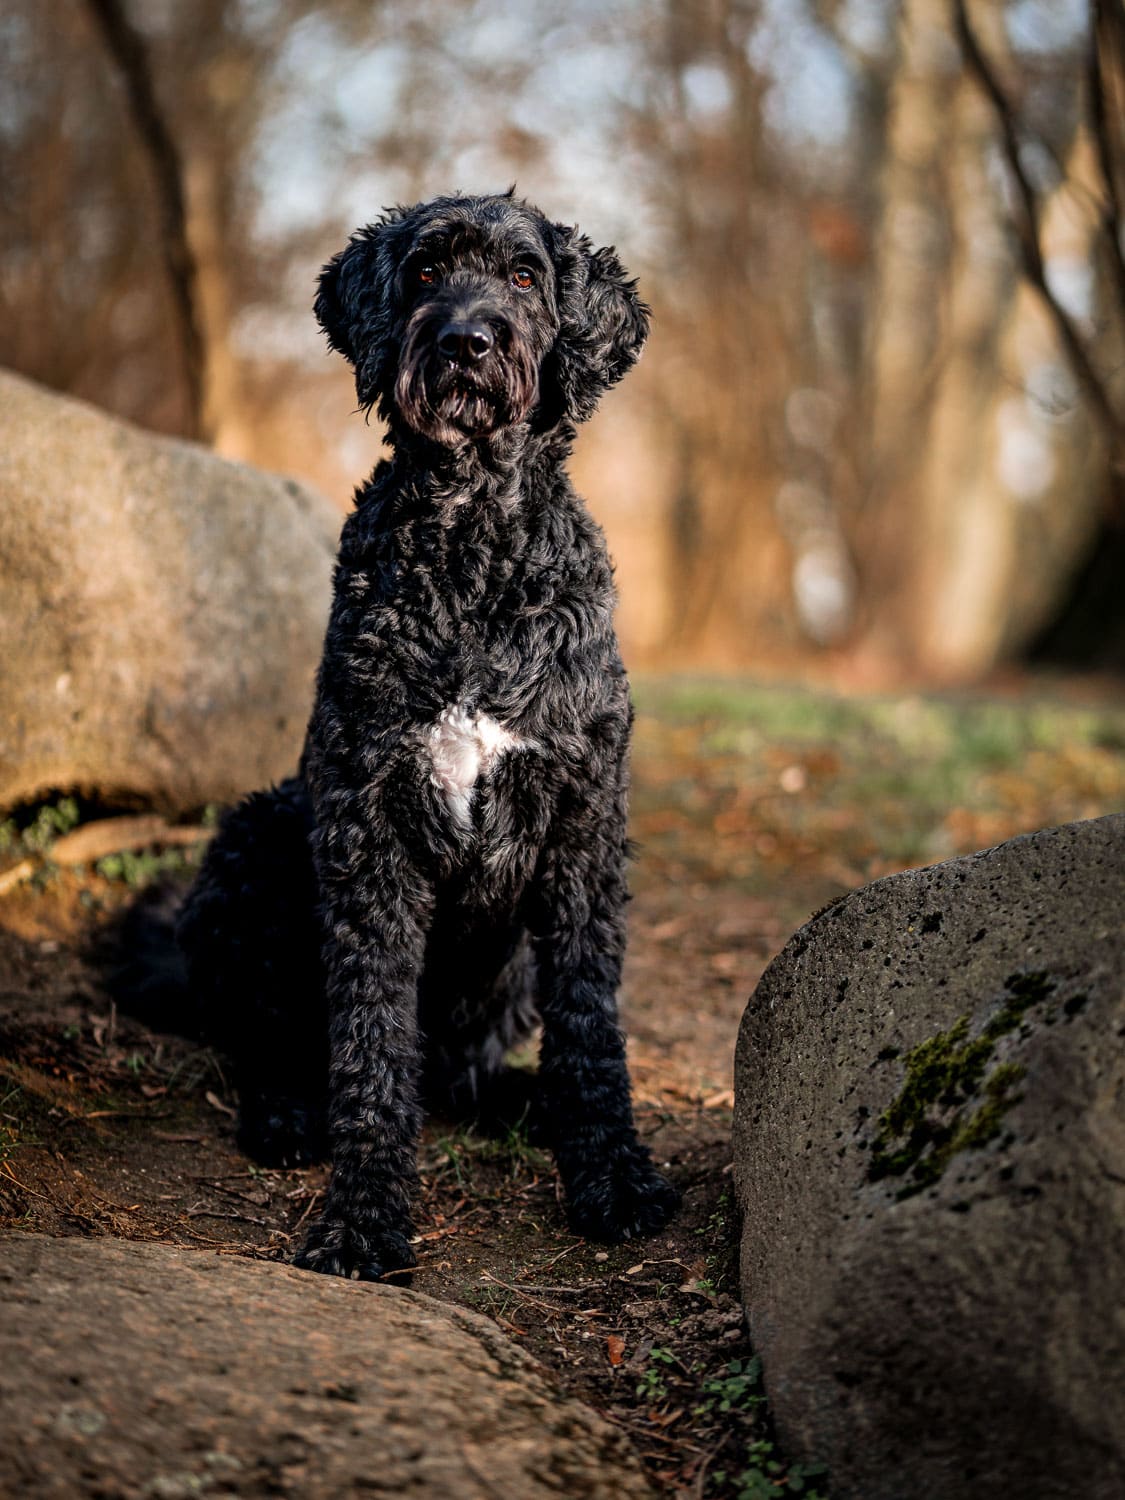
467 343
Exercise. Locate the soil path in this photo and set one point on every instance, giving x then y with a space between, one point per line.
752 808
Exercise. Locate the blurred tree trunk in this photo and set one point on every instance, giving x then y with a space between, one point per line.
221 384
725 354
910 283
130 55
965 538
987 467
1087 625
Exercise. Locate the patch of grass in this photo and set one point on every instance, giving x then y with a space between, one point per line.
983 731
738 780
515 1151
463 1149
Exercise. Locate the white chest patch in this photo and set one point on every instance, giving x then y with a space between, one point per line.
464 746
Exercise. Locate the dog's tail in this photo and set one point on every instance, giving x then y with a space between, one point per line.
235 959
148 971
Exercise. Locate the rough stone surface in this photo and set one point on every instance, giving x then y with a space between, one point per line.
961 1336
162 610
139 1370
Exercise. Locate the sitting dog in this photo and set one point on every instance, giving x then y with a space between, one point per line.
448 865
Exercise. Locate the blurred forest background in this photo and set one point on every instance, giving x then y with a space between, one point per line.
880 427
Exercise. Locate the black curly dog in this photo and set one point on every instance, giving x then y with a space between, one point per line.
448 865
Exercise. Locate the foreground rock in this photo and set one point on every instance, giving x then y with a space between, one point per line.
930 1157
141 1370
163 609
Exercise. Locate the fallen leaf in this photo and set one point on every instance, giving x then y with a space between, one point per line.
665 930
615 1348
793 779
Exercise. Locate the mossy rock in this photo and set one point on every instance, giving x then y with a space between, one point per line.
929 1153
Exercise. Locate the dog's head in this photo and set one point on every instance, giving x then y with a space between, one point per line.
465 316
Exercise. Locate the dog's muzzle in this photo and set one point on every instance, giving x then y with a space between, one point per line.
464 377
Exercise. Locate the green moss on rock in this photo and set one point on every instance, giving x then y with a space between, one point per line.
950 1101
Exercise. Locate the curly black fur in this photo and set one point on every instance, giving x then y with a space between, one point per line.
448 865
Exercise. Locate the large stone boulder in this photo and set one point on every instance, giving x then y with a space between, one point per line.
162 610
159 1373
929 1149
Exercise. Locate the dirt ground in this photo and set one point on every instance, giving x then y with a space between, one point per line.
749 815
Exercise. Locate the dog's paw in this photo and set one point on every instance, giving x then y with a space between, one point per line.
628 1199
335 1247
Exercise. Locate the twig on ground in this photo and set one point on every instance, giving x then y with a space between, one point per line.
105 836
23 1187
314 1199
214 1213
562 1291
567 1251
16 875
528 1295
704 1465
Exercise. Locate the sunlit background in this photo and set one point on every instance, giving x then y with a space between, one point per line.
878 431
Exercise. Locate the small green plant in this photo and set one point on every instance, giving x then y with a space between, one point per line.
137 870
515 1149
47 823
718 1221
454 1153
735 1390
653 1384
766 1477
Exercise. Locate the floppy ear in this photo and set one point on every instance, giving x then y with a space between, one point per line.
353 303
603 324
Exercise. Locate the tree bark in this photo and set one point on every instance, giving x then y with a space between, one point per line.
127 48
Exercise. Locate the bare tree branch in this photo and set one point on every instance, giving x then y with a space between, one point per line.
1107 42
1027 230
130 54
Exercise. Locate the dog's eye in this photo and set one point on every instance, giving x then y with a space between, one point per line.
523 279
427 274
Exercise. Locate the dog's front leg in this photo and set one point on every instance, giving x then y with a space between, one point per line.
613 1191
375 912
